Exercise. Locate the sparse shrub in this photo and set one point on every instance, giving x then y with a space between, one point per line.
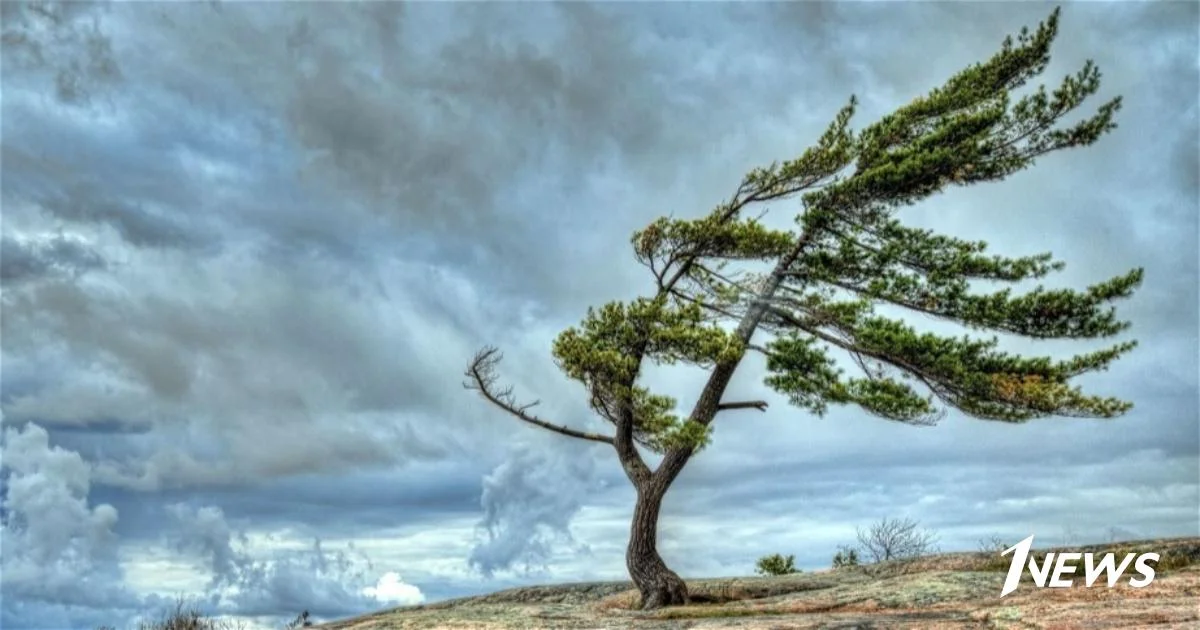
845 557
185 617
1177 559
776 564
892 540
1070 537
992 545
990 550
1174 558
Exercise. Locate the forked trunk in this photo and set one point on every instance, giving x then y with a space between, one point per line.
658 585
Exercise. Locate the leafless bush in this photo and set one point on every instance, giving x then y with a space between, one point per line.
992 545
892 540
187 617
990 550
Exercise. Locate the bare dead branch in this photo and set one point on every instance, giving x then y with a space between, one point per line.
892 540
482 377
760 405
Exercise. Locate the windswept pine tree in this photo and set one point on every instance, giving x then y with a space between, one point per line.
814 292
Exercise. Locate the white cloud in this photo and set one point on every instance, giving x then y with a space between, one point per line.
58 550
391 589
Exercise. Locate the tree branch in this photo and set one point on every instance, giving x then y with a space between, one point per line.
760 405
631 460
709 401
482 375
857 352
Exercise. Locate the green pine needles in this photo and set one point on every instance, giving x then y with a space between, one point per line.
816 290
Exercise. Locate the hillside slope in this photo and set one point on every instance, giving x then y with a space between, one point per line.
958 590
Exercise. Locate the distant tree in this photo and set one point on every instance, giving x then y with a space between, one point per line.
776 564
845 557
721 278
301 621
1069 537
895 539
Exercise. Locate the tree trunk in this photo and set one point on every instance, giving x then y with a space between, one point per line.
658 585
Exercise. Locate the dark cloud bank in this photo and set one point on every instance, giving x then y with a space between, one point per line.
247 249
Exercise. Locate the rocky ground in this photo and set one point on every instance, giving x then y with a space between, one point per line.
940 592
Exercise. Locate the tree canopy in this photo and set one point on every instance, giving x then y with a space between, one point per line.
825 288
817 289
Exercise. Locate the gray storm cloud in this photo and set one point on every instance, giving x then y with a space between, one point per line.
327 583
529 501
20 260
247 249
63 45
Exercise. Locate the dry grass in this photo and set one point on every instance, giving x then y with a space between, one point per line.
184 617
1174 555
188 617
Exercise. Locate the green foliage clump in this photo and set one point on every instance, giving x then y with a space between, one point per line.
845 557
604 353
852 254
1179 558
776 564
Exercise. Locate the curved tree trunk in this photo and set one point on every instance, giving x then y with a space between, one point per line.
658 585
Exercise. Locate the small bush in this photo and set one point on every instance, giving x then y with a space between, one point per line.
990 550
1177 559
845 557
776 565
992 545
1173 559
185 617
895 540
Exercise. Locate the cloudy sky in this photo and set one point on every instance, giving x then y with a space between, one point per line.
248 250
